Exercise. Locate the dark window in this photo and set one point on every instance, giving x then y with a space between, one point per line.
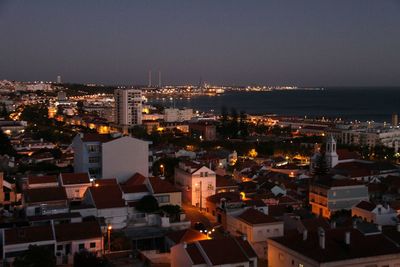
92 244
60 247
81 246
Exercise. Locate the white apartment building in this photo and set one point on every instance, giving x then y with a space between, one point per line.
128 107
178 115
196 181
369 136
104 156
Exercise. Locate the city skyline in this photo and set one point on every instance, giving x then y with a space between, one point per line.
226 42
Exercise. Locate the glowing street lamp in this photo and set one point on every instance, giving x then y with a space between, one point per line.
109 228
162 169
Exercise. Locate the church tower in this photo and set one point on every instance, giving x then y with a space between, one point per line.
332 158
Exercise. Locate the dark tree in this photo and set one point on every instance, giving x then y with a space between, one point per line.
36 257
5 145
321 167
86 258
147 204
224 123
243 126
234 125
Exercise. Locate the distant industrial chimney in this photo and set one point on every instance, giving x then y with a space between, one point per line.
149 84
159 79
59 79
395 119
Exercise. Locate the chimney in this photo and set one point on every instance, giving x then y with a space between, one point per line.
244 237
398 227
305 233
333 224
354 224
321 238
184 245
380 227
347 238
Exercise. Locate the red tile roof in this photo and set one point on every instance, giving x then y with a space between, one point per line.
226 251
42 179
106 197
141 188
162 186
38 195
110 181
335 248
77 231
28 234
187 235
95 137
136 179
228 196
75 178
195 254
253 216
347 154
366 205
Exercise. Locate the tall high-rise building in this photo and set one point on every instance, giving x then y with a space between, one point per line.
128 107
59 79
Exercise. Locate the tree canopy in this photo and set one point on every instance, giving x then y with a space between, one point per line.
36 256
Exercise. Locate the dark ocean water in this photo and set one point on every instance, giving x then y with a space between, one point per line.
347 103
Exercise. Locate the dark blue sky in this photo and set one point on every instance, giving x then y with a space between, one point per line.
301 42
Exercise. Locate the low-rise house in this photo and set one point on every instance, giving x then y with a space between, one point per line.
74 237
225 252
257 227
196 182
75 184
225 184
329 195
379 214
45 201
16 241
105 202
164 192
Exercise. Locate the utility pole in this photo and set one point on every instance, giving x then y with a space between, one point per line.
201 195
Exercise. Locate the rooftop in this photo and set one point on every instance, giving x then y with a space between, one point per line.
37 195
253 216
75 178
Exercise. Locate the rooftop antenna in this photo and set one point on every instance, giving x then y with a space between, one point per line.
149 85
159 79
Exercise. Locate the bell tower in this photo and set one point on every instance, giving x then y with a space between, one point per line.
332 158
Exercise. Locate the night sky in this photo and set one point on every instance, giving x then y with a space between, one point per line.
232 42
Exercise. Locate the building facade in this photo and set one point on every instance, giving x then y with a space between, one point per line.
128 107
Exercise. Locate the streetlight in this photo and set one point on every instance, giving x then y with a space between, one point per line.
162 169
109 228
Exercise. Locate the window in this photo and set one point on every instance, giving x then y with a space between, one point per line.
282 257
206 174
81 246
301 265
162 199
201 174
210 187
92 244
59 247
94 159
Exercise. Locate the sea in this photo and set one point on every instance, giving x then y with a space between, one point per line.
352 103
